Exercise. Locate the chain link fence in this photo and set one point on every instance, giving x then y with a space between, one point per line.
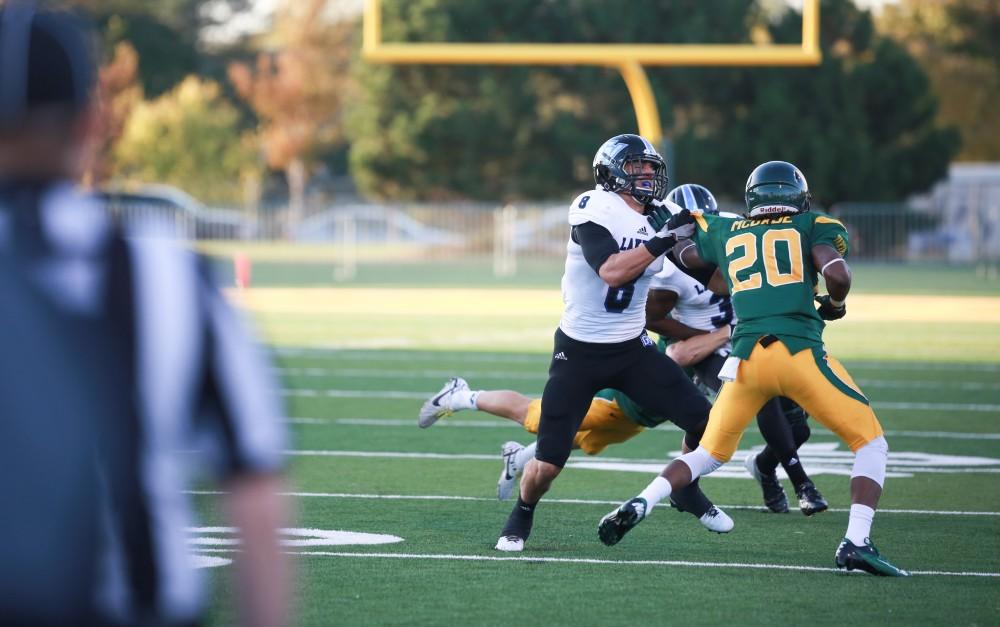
954 225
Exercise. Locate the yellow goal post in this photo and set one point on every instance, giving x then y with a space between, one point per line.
628 59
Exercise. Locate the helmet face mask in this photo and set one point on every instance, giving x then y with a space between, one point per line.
619 167
691 196
775 188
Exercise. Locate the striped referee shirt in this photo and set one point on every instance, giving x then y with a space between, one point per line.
183 370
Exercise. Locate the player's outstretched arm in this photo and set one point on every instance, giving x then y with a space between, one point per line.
686 252
616 268
622 267
837 276
696 349
659 304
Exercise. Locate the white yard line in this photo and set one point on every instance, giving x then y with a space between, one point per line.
492 375
536 559
664 428
543 359
407 395
441 497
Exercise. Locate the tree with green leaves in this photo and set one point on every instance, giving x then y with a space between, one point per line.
188 137
862 125
957 42
507 132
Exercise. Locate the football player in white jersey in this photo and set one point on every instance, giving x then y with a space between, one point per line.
620 231
681 307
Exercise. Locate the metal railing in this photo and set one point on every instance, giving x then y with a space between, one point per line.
509 236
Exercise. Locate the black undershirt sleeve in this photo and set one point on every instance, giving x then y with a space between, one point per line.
596 242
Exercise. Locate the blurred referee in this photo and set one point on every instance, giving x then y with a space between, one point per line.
119 359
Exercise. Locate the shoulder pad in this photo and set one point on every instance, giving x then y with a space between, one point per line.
599 208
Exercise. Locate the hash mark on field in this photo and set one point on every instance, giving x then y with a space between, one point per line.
585 560
437 497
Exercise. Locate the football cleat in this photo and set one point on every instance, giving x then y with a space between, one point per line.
810 500
439 405
510 544
866 558
717 520
774 494
615 525
508 476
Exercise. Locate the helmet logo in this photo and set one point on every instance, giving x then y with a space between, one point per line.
764 210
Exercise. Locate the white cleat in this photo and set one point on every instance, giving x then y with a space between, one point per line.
510 544
508 476
717 520
439 405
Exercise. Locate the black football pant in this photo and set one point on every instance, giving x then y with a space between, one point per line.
637 369
634 367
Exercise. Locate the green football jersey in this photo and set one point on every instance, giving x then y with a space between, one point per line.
768 265
631 410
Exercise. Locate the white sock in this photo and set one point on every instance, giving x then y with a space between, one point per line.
859 525
656 491
464 399
522 457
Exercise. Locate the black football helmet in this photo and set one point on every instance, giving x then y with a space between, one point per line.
776 187
692 196
611 173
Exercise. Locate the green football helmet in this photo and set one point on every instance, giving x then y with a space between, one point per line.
776 187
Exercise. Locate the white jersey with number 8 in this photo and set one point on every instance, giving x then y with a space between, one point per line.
595 311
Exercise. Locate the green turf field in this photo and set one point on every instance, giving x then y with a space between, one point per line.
354 382
362 465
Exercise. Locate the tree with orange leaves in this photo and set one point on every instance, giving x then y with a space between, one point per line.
118 91
297 92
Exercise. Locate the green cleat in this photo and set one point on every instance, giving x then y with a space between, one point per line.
615 525
866 558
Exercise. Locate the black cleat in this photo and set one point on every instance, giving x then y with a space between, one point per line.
615 525
774 494
866 558
810 500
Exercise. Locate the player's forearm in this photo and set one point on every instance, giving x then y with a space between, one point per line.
835 271
622 267
257 509
695 349
673 329
838 284
686 253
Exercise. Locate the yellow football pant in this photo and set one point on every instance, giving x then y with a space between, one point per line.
604 424
811 378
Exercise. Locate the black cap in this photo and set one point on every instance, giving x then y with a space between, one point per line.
46 58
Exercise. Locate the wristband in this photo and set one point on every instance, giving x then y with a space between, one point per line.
659 245
830 263
837 303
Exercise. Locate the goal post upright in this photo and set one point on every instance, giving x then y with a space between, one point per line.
628 59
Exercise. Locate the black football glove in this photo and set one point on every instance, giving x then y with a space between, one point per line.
658 216
827 310
681 225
